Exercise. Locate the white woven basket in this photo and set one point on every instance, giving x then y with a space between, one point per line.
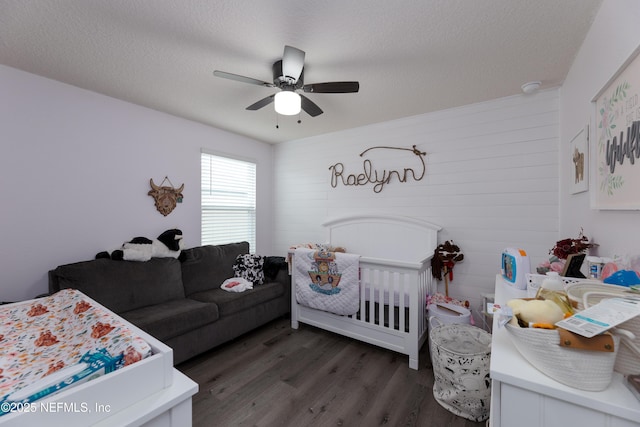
534 281
582 369
596 290
583 294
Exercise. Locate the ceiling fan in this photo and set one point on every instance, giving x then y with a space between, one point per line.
288 76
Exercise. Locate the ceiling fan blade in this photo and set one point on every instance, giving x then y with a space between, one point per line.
292 62
242 79
309 106
332 87
262 103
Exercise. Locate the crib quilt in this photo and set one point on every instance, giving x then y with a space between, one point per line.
52 343
327 281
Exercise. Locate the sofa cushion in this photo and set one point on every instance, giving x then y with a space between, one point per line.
172 318
233 302
250 267
123 285
273 264
206 267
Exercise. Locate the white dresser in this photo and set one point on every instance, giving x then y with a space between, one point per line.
522 396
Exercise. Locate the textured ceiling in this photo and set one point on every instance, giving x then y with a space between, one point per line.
410 57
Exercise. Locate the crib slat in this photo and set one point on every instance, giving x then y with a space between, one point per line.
372 296
363 283
392 292
381 293
401 301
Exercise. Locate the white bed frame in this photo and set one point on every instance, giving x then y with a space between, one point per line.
395 260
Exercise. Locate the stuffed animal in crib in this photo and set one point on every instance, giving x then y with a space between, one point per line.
168 245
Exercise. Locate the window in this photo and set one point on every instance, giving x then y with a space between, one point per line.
228 201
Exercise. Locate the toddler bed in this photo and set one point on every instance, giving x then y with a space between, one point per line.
393 279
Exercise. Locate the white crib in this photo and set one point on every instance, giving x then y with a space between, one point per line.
395 278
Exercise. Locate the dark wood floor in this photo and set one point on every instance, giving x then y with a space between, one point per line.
278 376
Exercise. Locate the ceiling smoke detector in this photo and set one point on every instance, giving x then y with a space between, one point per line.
531 87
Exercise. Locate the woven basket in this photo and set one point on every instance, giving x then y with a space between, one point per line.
628 360
596 292
582 369
534 281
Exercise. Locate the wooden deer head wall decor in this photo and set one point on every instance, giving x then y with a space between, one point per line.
166 197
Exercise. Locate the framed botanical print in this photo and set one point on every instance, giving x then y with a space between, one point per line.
616 142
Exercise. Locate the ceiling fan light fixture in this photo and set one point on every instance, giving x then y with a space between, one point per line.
287 103
288 77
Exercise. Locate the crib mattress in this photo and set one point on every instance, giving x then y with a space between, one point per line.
52 343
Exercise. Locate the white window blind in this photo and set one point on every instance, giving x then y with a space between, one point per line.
228 200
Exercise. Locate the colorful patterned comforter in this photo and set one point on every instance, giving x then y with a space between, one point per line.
40 337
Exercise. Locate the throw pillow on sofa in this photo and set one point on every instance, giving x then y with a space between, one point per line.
250 267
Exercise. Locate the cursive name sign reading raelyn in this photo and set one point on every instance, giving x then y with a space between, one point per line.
370 175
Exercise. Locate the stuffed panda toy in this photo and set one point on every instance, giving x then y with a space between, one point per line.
168 245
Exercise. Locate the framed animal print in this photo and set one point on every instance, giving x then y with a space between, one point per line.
616 142
579 176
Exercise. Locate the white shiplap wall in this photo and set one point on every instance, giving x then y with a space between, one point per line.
491 181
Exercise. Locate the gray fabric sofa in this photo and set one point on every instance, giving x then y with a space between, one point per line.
180 302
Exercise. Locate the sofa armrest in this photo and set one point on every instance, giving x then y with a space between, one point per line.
54 284
284 278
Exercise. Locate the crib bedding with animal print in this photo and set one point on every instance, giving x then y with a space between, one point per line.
52 343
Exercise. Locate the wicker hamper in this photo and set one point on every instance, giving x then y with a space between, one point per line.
460 355
583 369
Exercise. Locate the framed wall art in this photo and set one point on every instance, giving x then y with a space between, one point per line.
616 142
579 176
